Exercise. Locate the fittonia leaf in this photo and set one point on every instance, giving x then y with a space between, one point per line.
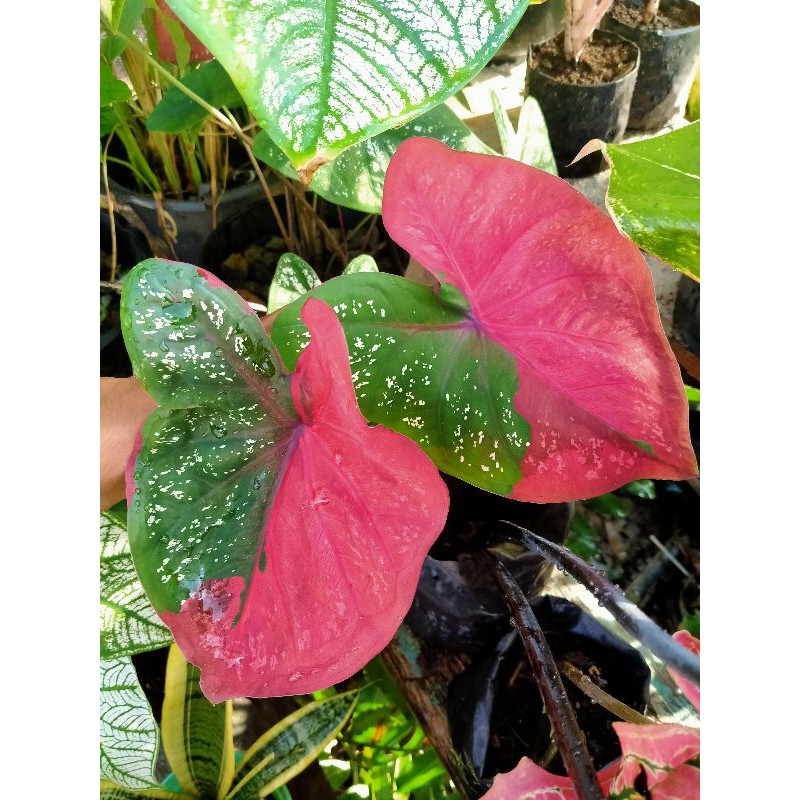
277 534
539 368
321 76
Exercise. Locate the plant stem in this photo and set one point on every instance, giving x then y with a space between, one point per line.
110 201
635 621
607 701
568 736
650 11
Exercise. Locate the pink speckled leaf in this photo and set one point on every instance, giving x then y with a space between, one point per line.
277 534
689 689
549 279
683 783
528 781
656 750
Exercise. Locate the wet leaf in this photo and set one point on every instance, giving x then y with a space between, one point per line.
539 369
277 534
320 77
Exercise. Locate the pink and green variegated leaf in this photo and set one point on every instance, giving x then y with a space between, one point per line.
277 534
655 750
690 690
683 783
528 781
539 368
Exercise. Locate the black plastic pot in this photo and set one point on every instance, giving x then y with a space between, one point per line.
495 710
193 218
457 604
668 59
576 114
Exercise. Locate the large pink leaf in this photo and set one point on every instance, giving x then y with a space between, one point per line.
689 689
550 279
278 535
683 783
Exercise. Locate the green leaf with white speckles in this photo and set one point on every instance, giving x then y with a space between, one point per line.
362 263
654 195
418 371
128 623
128 731
355 178
322 76
293 278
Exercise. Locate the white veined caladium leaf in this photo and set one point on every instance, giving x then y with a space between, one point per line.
321 76
128 622
128 731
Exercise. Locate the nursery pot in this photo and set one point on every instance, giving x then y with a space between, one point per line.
193 218
457 604
668 59
577 112
495 711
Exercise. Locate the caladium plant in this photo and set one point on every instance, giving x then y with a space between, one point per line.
277 534
538 368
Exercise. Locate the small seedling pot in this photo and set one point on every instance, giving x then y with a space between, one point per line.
576 113
668 60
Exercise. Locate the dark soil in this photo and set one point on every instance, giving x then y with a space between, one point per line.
605 59
670 16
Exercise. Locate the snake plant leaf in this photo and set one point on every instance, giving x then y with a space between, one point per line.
654 195
197 736
277 534
293 278
362 263
128 623
355 178
539 368
110 791
128 731
177 112
289 747
320 77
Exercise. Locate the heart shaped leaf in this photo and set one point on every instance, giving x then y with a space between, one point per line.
355 178
539 368
128 732
320 77
277 534
128 623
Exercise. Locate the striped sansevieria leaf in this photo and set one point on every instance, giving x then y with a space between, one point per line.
128 623
321 75
128 731
197 736
290 746
110 791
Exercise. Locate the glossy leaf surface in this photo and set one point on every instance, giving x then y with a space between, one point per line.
293 278
128 732
355 178
128 622
528 781
289 747
690 690
654 195
539 369
176 112
276 533
197 736
320 77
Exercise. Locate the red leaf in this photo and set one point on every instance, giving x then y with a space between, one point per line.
689 689
656 749
354 515
166 47
683 783
550 279
528 781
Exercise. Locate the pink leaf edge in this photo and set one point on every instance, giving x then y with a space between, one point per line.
550 278
354 515
690 690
